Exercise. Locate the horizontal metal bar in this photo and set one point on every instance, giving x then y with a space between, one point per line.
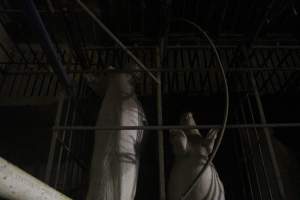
160 70
180 46
168 127
17 184
28 101
18 11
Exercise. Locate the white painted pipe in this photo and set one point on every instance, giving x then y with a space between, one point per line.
17 184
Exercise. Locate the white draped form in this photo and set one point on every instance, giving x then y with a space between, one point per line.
115 162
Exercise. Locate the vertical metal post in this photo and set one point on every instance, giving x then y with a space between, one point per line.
61 148
261 157
162 188
267 135
69 146
53 140
266 131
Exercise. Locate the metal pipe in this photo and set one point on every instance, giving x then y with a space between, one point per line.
267 135
36 20
182 70
54 140
201 46
61 148
259 148
17 184
245 153
266 132
219 46
252 166
263 21
168 127
161 157
68 148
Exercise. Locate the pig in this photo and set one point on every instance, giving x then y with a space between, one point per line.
191 150
115 161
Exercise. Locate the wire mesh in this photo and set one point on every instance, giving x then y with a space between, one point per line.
186 70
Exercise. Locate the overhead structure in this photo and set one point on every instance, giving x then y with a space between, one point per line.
257 41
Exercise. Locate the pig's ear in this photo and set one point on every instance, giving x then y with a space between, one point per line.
188 120
179 141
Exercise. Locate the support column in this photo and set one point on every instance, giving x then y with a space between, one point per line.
266 133
268 138
54 140
162 182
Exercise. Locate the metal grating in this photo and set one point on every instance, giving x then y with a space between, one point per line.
189 67
185 70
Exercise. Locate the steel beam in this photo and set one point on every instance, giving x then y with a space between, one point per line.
17 184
